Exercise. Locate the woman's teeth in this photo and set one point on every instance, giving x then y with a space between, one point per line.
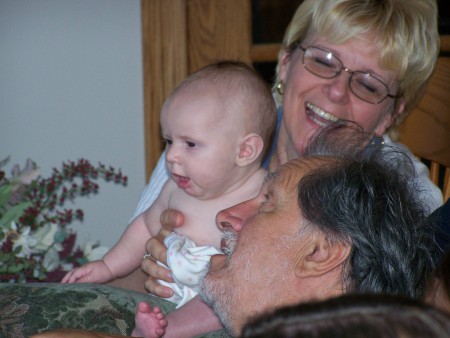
321 117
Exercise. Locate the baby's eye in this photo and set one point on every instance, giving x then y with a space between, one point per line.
190 144
168 141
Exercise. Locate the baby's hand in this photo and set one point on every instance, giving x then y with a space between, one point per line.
150 322
92 272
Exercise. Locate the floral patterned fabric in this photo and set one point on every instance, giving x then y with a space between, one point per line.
27 309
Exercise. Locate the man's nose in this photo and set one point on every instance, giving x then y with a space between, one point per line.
234 217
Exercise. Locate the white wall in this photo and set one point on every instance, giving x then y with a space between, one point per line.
71 87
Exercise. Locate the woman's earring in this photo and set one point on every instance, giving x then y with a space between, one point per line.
376 141
280 87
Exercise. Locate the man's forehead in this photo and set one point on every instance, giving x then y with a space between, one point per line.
290 173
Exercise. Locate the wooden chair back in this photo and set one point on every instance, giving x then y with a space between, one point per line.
427 130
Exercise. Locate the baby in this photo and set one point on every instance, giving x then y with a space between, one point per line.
217 125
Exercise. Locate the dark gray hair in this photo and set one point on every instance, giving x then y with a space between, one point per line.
366 196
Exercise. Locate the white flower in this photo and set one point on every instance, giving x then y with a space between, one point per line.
51 260
21 179
92 252
24 240
45 238
67 266
6 229
36 271
27 175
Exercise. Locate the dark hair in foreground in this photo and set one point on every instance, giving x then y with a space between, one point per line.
356 316
443 273
366 197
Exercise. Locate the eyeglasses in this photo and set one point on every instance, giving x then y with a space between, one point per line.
324 64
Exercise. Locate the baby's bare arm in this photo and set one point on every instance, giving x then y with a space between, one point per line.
126 255
92 272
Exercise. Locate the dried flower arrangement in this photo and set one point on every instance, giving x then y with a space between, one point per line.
35 240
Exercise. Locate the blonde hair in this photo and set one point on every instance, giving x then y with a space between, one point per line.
405 31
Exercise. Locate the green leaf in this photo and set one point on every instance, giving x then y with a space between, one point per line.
82 260
42 275
4 269
16 268
4 161
5 257
5 193
14 213
60 236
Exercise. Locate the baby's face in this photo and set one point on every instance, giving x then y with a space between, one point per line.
202 138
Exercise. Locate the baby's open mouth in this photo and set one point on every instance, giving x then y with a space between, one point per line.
181 181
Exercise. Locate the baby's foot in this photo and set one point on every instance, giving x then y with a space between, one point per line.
149 323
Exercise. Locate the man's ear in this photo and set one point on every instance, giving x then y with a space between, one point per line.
321 256
250 148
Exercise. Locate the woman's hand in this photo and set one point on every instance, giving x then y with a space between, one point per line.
170 219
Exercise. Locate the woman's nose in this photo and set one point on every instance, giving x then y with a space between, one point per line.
235 217
337 89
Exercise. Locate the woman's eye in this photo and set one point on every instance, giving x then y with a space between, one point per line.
365 87
190 144
322 62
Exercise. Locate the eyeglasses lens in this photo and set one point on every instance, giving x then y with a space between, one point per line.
325 65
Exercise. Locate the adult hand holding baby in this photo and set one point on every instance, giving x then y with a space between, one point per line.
170 219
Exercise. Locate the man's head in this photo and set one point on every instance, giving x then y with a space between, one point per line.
338 220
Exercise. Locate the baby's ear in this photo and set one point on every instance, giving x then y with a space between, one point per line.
250 148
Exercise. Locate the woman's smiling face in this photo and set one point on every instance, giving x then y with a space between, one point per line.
310 102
